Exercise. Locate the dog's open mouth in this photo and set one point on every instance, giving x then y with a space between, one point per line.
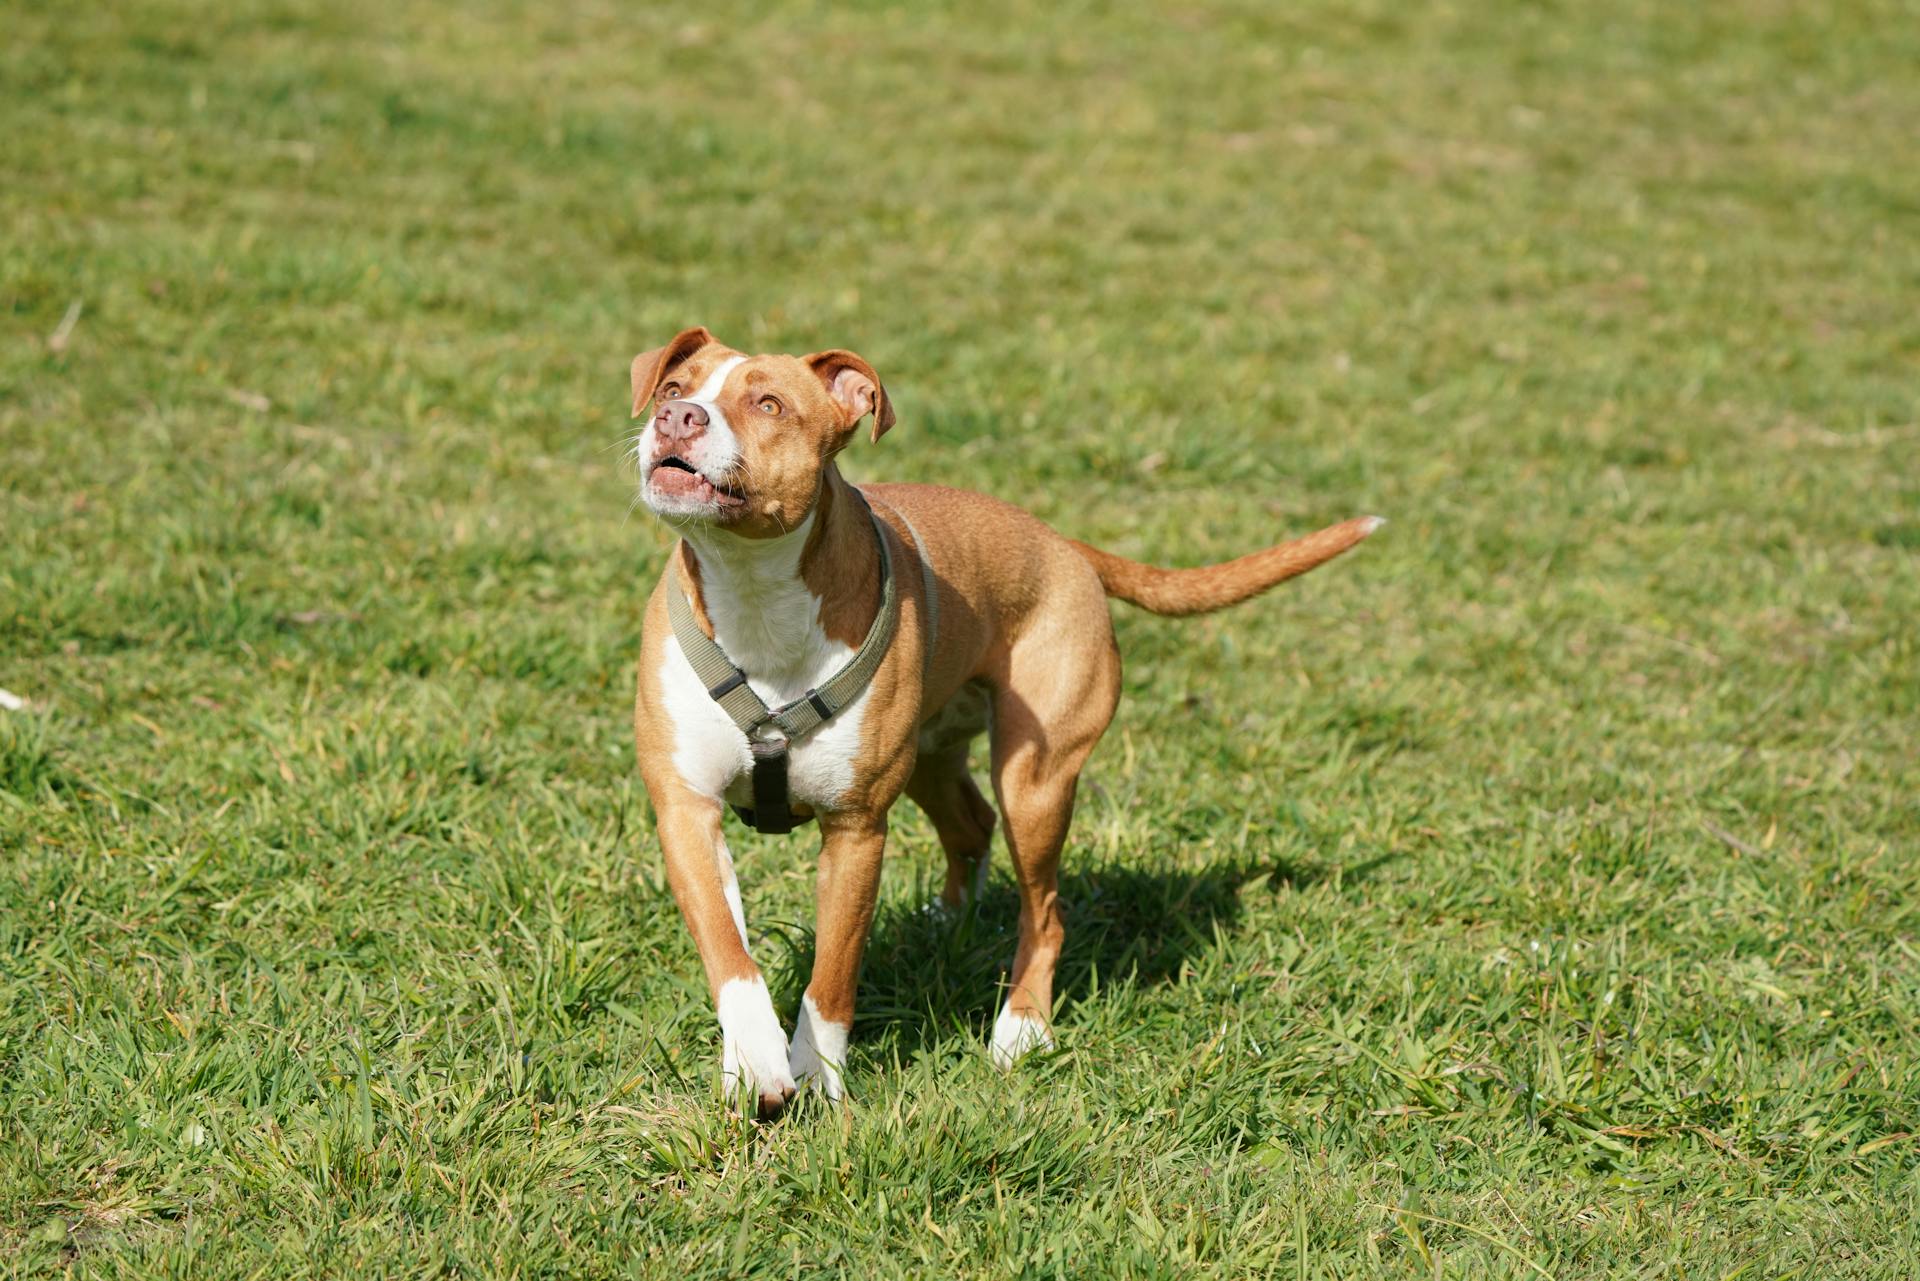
675 476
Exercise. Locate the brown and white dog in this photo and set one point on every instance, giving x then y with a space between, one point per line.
782 565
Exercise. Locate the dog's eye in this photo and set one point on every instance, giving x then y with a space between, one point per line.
768 405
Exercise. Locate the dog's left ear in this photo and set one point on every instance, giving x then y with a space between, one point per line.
854 387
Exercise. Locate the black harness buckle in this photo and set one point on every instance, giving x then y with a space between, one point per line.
770 812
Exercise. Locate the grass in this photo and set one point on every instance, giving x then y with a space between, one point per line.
1532 893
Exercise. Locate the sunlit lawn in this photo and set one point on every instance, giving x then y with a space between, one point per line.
1531 893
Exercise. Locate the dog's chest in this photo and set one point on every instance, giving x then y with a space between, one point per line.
776 639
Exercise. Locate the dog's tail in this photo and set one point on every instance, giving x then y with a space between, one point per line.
1175 592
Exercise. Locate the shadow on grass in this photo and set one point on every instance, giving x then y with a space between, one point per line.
931 975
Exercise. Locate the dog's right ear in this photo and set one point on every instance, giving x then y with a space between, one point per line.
649 367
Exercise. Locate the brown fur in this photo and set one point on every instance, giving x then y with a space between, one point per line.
1179 592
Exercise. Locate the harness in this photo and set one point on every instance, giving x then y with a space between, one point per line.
771 731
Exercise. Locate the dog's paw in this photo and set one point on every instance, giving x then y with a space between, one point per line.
753 1056
819 1051
1017 1035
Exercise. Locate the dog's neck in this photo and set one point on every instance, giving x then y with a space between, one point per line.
781 606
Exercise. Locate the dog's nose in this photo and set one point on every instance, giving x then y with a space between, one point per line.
679 420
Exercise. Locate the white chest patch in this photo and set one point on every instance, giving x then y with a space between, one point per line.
769 625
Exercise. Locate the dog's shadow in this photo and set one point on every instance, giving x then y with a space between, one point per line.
932 974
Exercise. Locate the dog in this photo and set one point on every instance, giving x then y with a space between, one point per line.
832 647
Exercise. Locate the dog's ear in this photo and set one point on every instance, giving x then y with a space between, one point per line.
649 367
854 387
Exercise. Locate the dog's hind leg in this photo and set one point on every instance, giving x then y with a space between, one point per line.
944 789
1057 699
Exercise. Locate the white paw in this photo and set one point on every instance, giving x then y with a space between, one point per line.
1017 1035
819 1050
753 1059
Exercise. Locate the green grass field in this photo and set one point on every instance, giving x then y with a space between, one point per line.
1532 893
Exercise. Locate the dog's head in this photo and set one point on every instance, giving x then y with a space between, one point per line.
743 441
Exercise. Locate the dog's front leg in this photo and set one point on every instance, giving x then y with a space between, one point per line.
851 850
700 870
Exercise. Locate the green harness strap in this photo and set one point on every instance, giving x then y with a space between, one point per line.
769 731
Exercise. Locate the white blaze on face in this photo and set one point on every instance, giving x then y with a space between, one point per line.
714 453
718 446
819 1051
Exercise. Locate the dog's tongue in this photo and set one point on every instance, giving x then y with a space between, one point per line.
672 480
